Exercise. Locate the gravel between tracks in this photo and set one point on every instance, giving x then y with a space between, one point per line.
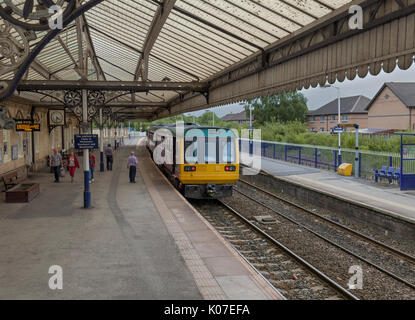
331 260
368 229
293 280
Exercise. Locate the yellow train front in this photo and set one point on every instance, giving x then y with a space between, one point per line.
202 162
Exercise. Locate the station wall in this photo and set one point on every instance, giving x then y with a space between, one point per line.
23 150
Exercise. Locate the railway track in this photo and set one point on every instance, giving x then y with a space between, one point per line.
361 235
292 275
390 271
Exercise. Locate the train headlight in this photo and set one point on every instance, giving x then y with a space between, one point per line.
190 169
230 168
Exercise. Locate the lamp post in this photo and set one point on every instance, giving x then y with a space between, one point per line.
250 117
338 120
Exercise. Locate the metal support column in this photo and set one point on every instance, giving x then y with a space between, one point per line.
87 192
101 141
356 170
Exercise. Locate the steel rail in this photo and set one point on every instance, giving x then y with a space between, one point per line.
309 266
359 234
394 276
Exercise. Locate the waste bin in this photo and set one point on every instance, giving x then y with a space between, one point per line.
345 169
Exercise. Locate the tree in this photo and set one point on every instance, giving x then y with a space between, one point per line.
283 107
207 119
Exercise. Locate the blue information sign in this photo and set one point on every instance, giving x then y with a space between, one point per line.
86 141
338 129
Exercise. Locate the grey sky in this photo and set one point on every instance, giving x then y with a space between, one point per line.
318 97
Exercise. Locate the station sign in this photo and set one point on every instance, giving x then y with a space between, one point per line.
86 141
27 127
338 130
349 125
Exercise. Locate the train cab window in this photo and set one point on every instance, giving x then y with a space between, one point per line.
210 150
227 150
191 151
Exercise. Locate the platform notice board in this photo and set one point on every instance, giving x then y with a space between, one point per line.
86 141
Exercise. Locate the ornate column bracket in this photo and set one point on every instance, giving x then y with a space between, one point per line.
21 22
73 101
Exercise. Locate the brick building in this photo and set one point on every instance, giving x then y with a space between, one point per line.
353 110
393 107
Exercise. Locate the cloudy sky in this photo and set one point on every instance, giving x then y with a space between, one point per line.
318 97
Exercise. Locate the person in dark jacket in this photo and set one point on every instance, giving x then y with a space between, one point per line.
132 165
109 153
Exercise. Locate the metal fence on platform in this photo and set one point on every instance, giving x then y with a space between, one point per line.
327 158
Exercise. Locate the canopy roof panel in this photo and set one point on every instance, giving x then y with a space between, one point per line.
186 41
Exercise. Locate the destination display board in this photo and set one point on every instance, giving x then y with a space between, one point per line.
27 127
86 141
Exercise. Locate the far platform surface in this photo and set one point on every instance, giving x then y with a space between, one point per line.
139 241
386 198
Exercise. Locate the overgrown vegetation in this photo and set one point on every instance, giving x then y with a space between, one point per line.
281 108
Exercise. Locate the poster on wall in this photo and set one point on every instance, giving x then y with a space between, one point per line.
15 153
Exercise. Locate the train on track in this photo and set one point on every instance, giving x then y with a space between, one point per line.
202 162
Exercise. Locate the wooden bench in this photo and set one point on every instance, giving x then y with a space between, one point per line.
17 191
11 180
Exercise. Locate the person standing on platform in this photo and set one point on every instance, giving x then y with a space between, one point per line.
55 162
92 161
132 165
73 163
110 157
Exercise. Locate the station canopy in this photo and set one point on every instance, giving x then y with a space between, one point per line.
185 41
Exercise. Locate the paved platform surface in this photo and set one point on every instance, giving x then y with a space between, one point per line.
139 241
386 198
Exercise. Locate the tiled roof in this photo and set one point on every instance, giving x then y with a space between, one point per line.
356 104
236 117
405 91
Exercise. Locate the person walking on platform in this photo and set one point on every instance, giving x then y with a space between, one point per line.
73 163
110 157
132 165
92 161
55 162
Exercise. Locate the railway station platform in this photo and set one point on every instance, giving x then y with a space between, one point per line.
388 199
138 241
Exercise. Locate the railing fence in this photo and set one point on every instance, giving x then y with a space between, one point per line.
327 158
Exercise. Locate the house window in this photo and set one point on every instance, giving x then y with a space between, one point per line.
332 118
345 117
322 119
312 119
